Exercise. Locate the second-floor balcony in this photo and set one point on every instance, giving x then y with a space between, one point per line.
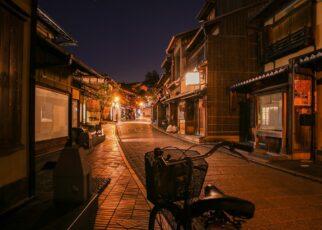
291 43
289 33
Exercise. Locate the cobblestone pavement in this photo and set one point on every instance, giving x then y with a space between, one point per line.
283 201
122 205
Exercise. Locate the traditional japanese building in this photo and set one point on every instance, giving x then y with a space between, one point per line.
221 48
280 107
57 99
17 24
176 57
204 63
94 104
159 109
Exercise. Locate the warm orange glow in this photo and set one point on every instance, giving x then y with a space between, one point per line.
116 99
192 78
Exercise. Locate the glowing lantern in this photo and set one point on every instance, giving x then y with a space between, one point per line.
193 78
117 99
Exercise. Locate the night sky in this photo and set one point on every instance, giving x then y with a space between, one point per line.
124 38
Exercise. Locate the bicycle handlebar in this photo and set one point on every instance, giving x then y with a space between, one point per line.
232 146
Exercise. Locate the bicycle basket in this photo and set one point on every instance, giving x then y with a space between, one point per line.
168 183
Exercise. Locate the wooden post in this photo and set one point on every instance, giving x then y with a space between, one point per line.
70 115
313 127
290 109
32 85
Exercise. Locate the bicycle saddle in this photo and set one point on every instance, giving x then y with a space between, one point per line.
218 201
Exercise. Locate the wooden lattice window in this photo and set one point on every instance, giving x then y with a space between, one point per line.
11 56
296 20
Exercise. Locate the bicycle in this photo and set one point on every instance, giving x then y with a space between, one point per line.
174 180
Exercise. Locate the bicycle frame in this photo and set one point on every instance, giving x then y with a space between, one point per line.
189 160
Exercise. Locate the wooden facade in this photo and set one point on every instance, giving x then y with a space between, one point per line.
61 93
53 78
16 177
159 109
287 35
223 49
221 52
179 101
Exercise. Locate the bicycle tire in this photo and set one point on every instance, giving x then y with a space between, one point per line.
162 217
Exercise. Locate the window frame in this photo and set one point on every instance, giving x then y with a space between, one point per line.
61 93
268 126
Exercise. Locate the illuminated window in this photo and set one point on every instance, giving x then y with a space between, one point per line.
51 115
270 112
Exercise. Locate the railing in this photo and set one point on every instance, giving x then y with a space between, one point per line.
300 39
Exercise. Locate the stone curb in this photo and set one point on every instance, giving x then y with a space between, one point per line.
294 173
132 172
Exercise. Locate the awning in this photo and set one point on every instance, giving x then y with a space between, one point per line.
273 76
65 58
187 95
311 60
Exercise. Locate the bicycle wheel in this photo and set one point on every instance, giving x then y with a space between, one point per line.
162 218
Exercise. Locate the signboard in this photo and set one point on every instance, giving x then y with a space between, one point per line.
93 105
75 94
302 92
192 78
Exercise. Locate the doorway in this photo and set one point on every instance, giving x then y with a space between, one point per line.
244 124
303 116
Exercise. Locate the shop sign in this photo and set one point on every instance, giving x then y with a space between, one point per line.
93 105
302 92
75 94
106 111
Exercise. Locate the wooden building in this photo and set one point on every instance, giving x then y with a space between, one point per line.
95 95
283 101
17 18
176 94
220 49
204 63
159 117
57 100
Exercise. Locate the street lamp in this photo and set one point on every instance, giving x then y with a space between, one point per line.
116 99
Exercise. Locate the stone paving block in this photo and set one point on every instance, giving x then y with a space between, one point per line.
283 201
118 201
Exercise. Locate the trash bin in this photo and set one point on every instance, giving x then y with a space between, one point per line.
72 176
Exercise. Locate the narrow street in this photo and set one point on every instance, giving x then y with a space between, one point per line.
87 88
283 201
122 204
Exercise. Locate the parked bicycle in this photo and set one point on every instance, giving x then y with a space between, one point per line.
174 179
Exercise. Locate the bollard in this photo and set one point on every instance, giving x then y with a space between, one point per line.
72 176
